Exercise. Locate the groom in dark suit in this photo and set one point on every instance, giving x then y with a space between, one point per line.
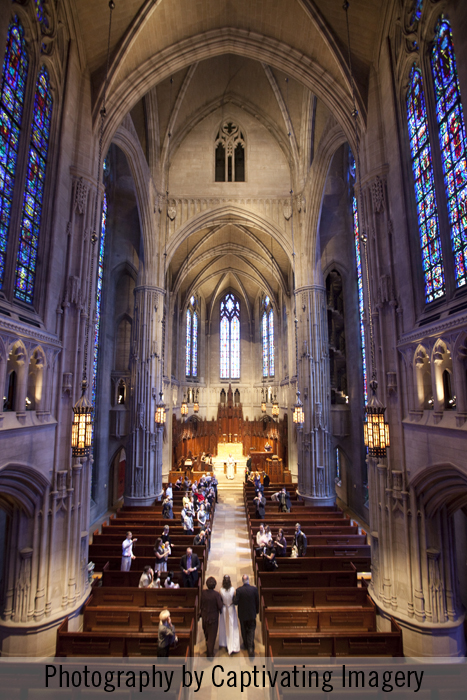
247 599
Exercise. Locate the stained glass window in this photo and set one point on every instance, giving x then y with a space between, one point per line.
34 190
267 333
15 69
40 13
425 196
230 337
100 276
191 361
361 304
453 142
264 330
417 11
271 343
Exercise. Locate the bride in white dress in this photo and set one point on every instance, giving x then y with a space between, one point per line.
229 635
230 467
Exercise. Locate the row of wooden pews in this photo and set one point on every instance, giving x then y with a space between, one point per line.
120 619
312 606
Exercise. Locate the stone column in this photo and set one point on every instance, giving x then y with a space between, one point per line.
144 469
315 476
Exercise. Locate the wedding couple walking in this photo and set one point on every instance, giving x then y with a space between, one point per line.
214 604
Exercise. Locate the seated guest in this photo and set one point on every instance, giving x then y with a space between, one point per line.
178 483
257 481
280 544
269 556
169 492
186 499
189 566
200 538
169 582
165 537
147 578
167 509
260 505
266 480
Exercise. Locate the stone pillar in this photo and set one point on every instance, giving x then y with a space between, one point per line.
315 476
144 468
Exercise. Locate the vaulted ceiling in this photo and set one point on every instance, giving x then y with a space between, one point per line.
284 62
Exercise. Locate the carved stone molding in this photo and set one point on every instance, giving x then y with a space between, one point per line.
81 193
377 194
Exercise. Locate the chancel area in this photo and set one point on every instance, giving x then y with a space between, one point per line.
233 240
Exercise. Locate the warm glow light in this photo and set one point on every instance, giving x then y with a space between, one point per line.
184 407
375 429
159 416
298 415
275 408
195 407
81 429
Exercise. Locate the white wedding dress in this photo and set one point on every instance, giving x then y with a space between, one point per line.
230 468
229 635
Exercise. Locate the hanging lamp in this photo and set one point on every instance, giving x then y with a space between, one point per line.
82 425
375 428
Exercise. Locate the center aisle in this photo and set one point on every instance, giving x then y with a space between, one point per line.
230 554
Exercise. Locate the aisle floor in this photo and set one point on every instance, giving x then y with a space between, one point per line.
230 554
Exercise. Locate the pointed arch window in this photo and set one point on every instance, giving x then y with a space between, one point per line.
361 301
229 154
13 82
453 142
230 337
100 278
425 195
267 332
34 190
192 324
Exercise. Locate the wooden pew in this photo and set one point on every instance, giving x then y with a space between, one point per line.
306 579
144 597
116 643
316 564
303 622
323 598
363 644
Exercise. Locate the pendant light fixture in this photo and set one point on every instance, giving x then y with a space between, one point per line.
375 428
82 426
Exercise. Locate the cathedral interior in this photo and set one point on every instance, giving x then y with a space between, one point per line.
209 206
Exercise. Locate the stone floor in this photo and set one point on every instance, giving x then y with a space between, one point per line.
230 554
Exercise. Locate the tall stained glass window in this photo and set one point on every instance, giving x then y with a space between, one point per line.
425 196
361 304
191 362
13 80
267 331
34 190
100 277
453 142
230 337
